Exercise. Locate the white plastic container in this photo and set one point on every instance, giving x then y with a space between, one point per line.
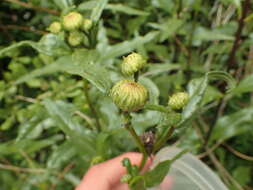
188 172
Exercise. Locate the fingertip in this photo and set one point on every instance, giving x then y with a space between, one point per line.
166 183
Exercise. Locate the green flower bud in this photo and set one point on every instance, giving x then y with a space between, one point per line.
55 27
129 95
178 100
75 38
125 178
87 24
132 63
72 21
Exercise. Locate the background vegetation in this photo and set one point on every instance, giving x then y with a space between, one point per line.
48 113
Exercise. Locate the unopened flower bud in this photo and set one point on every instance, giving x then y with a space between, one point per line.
55 27
72 21
129 95
75 38
178 100
87 24
125 178
132 63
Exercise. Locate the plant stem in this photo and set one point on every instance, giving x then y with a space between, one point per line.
30 6
136 138
158 108
24 28
136 76
231 59
163 139
92 107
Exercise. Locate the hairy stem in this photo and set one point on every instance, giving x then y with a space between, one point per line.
136 138
91 107
24 28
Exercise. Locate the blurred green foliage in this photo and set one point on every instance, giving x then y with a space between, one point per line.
48 134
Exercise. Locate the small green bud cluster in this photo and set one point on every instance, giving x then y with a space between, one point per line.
178 100
129 95
75 26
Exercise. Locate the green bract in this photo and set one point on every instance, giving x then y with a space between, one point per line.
132 63
55 27
72 21
129 95
178 100
75 38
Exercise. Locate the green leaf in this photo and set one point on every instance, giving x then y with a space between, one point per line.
242 175
137 183
102 145
127 164
127 46
61 113
61 155
126 9
110 113
28 146
156 69
203 34
87 5
246 85
49 44
64 4
197 88
152 89
19 44
98 9
53 45
34 127
233 124
86 67
155 176
168 28
94 73
121 8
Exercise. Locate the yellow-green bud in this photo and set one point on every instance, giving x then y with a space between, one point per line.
129 95
178 100
87 24
75 38
132 63
55 27
125 178
72 21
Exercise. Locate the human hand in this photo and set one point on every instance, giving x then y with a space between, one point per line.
107 175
